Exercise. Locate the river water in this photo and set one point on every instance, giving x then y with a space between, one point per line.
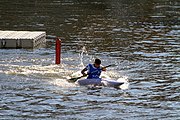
142 37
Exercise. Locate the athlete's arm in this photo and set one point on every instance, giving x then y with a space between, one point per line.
103 68
83 71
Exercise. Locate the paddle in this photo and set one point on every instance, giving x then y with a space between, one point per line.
76 78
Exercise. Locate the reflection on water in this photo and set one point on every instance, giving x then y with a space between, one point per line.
140 36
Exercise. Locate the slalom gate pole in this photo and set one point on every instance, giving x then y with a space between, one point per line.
58 51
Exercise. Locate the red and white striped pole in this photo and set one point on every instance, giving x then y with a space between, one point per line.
58 50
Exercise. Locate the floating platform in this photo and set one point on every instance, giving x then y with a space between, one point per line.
22 39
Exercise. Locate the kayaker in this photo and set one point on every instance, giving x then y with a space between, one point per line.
93 70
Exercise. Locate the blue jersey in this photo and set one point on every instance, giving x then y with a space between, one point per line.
93 72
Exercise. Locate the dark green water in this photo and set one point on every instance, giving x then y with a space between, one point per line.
141 36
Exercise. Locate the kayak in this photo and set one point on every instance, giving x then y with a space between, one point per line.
99 82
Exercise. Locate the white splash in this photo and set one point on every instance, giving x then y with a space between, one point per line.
124 79
62 83
81 55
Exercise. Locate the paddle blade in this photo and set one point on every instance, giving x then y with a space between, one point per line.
112 65
75 79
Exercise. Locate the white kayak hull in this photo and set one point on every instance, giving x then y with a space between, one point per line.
99 82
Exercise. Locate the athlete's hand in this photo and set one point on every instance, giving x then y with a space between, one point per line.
84 74
103 69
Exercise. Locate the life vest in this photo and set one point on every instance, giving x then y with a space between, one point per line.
93 72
